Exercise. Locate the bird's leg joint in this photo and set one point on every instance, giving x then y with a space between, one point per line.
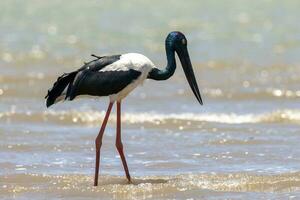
98 144
119 146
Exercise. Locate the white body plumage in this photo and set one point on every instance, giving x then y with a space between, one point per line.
129 61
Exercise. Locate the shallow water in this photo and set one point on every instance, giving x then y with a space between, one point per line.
242 144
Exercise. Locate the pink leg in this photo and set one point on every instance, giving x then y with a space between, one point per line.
119 144
98 142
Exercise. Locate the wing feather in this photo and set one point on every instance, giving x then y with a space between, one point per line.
102 83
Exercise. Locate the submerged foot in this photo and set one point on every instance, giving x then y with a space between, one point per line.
129 180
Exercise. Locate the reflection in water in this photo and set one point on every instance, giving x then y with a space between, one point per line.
154 187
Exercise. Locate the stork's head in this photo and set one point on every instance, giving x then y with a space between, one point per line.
177 41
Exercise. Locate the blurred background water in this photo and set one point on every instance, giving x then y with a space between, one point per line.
242 144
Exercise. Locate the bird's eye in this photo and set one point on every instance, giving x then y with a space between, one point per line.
183 41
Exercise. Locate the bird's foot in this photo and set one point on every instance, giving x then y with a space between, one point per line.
129 181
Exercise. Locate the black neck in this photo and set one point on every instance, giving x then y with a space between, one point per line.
166 73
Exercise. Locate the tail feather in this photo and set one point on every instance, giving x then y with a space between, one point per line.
59 90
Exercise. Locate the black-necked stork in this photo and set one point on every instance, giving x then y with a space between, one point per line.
116 76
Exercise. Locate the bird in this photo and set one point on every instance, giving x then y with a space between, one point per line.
115 76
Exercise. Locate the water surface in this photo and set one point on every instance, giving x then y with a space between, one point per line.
242 144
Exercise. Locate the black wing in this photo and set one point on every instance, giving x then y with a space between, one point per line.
67 80
58 87
100 62
102 83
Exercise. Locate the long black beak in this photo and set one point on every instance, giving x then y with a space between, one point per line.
189 72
